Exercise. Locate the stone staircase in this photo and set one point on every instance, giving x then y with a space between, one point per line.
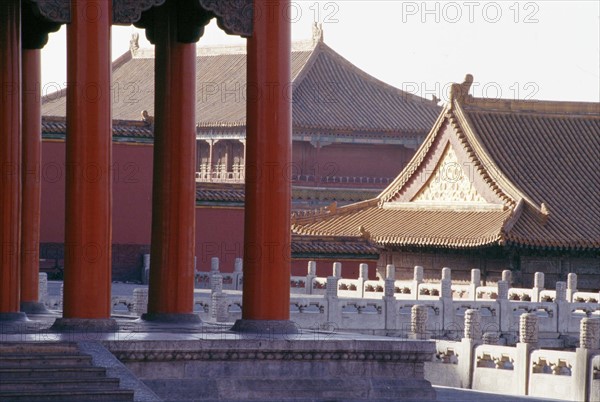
54 372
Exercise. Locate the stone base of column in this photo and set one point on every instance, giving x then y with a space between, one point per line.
273 327
34 308
13 317
171 318
85 325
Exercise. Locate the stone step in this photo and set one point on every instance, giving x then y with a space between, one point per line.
38 360
51 372
29 348
88 395
36 384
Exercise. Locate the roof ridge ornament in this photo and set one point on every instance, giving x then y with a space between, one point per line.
460 92
317 33
134 43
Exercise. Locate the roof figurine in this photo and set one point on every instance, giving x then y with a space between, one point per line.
485 176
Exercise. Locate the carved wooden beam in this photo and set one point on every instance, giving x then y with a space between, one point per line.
233 16
36 27
58 11
126 12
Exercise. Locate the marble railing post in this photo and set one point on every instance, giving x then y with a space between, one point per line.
214 266
528 340
145 268
507 277
334 313
475 283
503 304
310 275
417 280
218 299
238 273
538 286
471 339
571 286
388 297
589 337
446 298
418 322
43 287
564 313
363 275
140 301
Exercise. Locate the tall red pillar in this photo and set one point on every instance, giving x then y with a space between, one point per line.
31 182
171 287
88 215
267 235
10 158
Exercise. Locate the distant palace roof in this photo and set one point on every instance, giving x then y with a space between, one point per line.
329 94
490 172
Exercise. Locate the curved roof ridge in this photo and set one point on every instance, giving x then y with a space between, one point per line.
376 81
482 154
532 106
415 162
329 212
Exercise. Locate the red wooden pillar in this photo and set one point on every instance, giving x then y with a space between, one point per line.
171 287
31 182
88 216
267 236
10 158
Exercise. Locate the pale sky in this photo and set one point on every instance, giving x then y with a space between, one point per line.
514 49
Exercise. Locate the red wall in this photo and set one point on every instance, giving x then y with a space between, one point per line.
219 231
132 193
360 160
325 268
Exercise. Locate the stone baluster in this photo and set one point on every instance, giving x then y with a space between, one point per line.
62 296
390 281
538 286
471 339
140 301
417 280
214 265
475 283
564 314
418 322
310 275
43 288
528 328
589 338
332 281
528 339
589 330
334 311
571 286
145 268
218 299
507 276
473 324
363 275
446 284
446 298
238 273
503 305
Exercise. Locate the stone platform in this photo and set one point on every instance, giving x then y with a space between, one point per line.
208 362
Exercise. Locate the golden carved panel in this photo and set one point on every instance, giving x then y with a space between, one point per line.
449 183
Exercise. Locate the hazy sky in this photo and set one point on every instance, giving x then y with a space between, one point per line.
514 49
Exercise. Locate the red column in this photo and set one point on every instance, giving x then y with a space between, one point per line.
88 216
171 287
267 238
31 182
10 157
